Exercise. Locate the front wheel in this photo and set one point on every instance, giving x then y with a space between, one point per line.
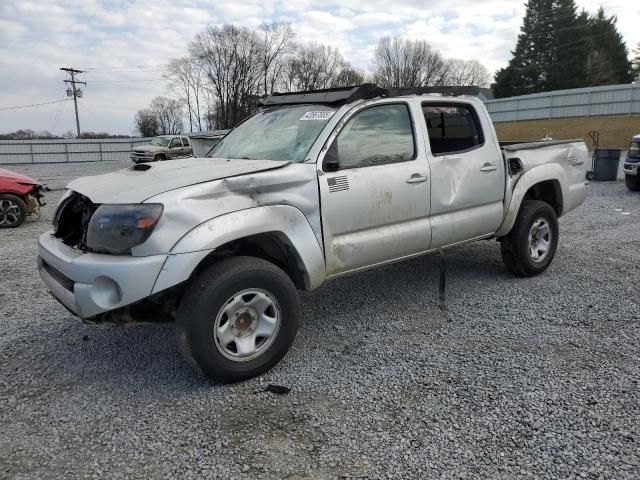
13 211
237 319
632 182
530 246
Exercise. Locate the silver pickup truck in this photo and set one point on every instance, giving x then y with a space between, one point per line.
314 186
162 147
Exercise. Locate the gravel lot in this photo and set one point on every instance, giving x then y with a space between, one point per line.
521 378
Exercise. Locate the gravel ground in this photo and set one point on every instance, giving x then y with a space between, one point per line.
521 378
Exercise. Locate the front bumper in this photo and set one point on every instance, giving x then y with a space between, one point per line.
631 168
89 284
136 158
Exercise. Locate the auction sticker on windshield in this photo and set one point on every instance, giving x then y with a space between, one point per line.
321 115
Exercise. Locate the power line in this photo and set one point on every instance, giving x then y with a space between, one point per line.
58 116
132 68
34 105
123 81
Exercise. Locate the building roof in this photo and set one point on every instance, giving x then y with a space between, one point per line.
208 134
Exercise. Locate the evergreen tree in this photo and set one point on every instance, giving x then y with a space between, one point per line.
558 49
608 61
570 47
526 72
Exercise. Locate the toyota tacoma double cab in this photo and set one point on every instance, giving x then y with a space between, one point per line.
163 147
314 186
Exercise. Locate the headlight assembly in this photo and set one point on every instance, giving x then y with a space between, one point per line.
116 229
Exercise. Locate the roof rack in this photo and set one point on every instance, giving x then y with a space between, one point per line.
339 96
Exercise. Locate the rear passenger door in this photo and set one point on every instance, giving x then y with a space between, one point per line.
175 147
375 192
467 171
186 150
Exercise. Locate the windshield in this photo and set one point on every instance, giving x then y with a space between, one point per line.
161 141
634 149
285 133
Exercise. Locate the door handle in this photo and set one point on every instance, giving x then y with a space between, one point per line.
488 167
417 178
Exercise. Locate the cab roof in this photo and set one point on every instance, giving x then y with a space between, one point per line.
344 95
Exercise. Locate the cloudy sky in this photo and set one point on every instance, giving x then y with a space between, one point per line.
123 45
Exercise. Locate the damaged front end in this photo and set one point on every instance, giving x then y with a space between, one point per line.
99 284
71 220
35 199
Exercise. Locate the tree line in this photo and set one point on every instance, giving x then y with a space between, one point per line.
29 134
560 48
228 69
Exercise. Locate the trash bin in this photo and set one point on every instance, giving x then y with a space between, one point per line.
605 164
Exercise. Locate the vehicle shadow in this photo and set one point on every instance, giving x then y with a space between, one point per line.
145 356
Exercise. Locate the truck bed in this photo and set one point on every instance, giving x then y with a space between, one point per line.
531 145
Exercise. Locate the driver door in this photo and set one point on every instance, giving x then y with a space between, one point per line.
374 187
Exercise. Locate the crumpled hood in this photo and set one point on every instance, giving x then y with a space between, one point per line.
140 182
9 176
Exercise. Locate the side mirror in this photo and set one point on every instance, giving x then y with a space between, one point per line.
331 162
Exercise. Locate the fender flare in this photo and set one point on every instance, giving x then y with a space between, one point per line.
541 173
286 220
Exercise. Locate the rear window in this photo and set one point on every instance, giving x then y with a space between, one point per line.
185 141
452 128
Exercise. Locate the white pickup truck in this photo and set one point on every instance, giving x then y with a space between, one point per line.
314 186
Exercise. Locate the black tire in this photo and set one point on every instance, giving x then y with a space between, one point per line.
13 211
515 246
160 157
203 302
632 182
591 175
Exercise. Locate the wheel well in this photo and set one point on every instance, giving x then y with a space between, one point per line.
273 247
548 191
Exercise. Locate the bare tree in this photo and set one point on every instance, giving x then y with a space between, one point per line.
313 67
407 63
466 73
168 113
146 123
348 76
185 77
231 59
276 41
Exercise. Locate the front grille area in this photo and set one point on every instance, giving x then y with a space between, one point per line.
71 220
63 280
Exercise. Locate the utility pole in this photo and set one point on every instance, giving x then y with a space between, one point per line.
73 91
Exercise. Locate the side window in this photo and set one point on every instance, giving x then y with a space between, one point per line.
175 142
452 128
185 141
376 136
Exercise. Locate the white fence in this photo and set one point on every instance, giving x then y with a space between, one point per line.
66 150
579 102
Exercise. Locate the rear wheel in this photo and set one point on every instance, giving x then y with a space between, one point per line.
632 182
237 319
160 157
13 211
531 245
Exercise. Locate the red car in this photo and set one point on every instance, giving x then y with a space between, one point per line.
19 196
